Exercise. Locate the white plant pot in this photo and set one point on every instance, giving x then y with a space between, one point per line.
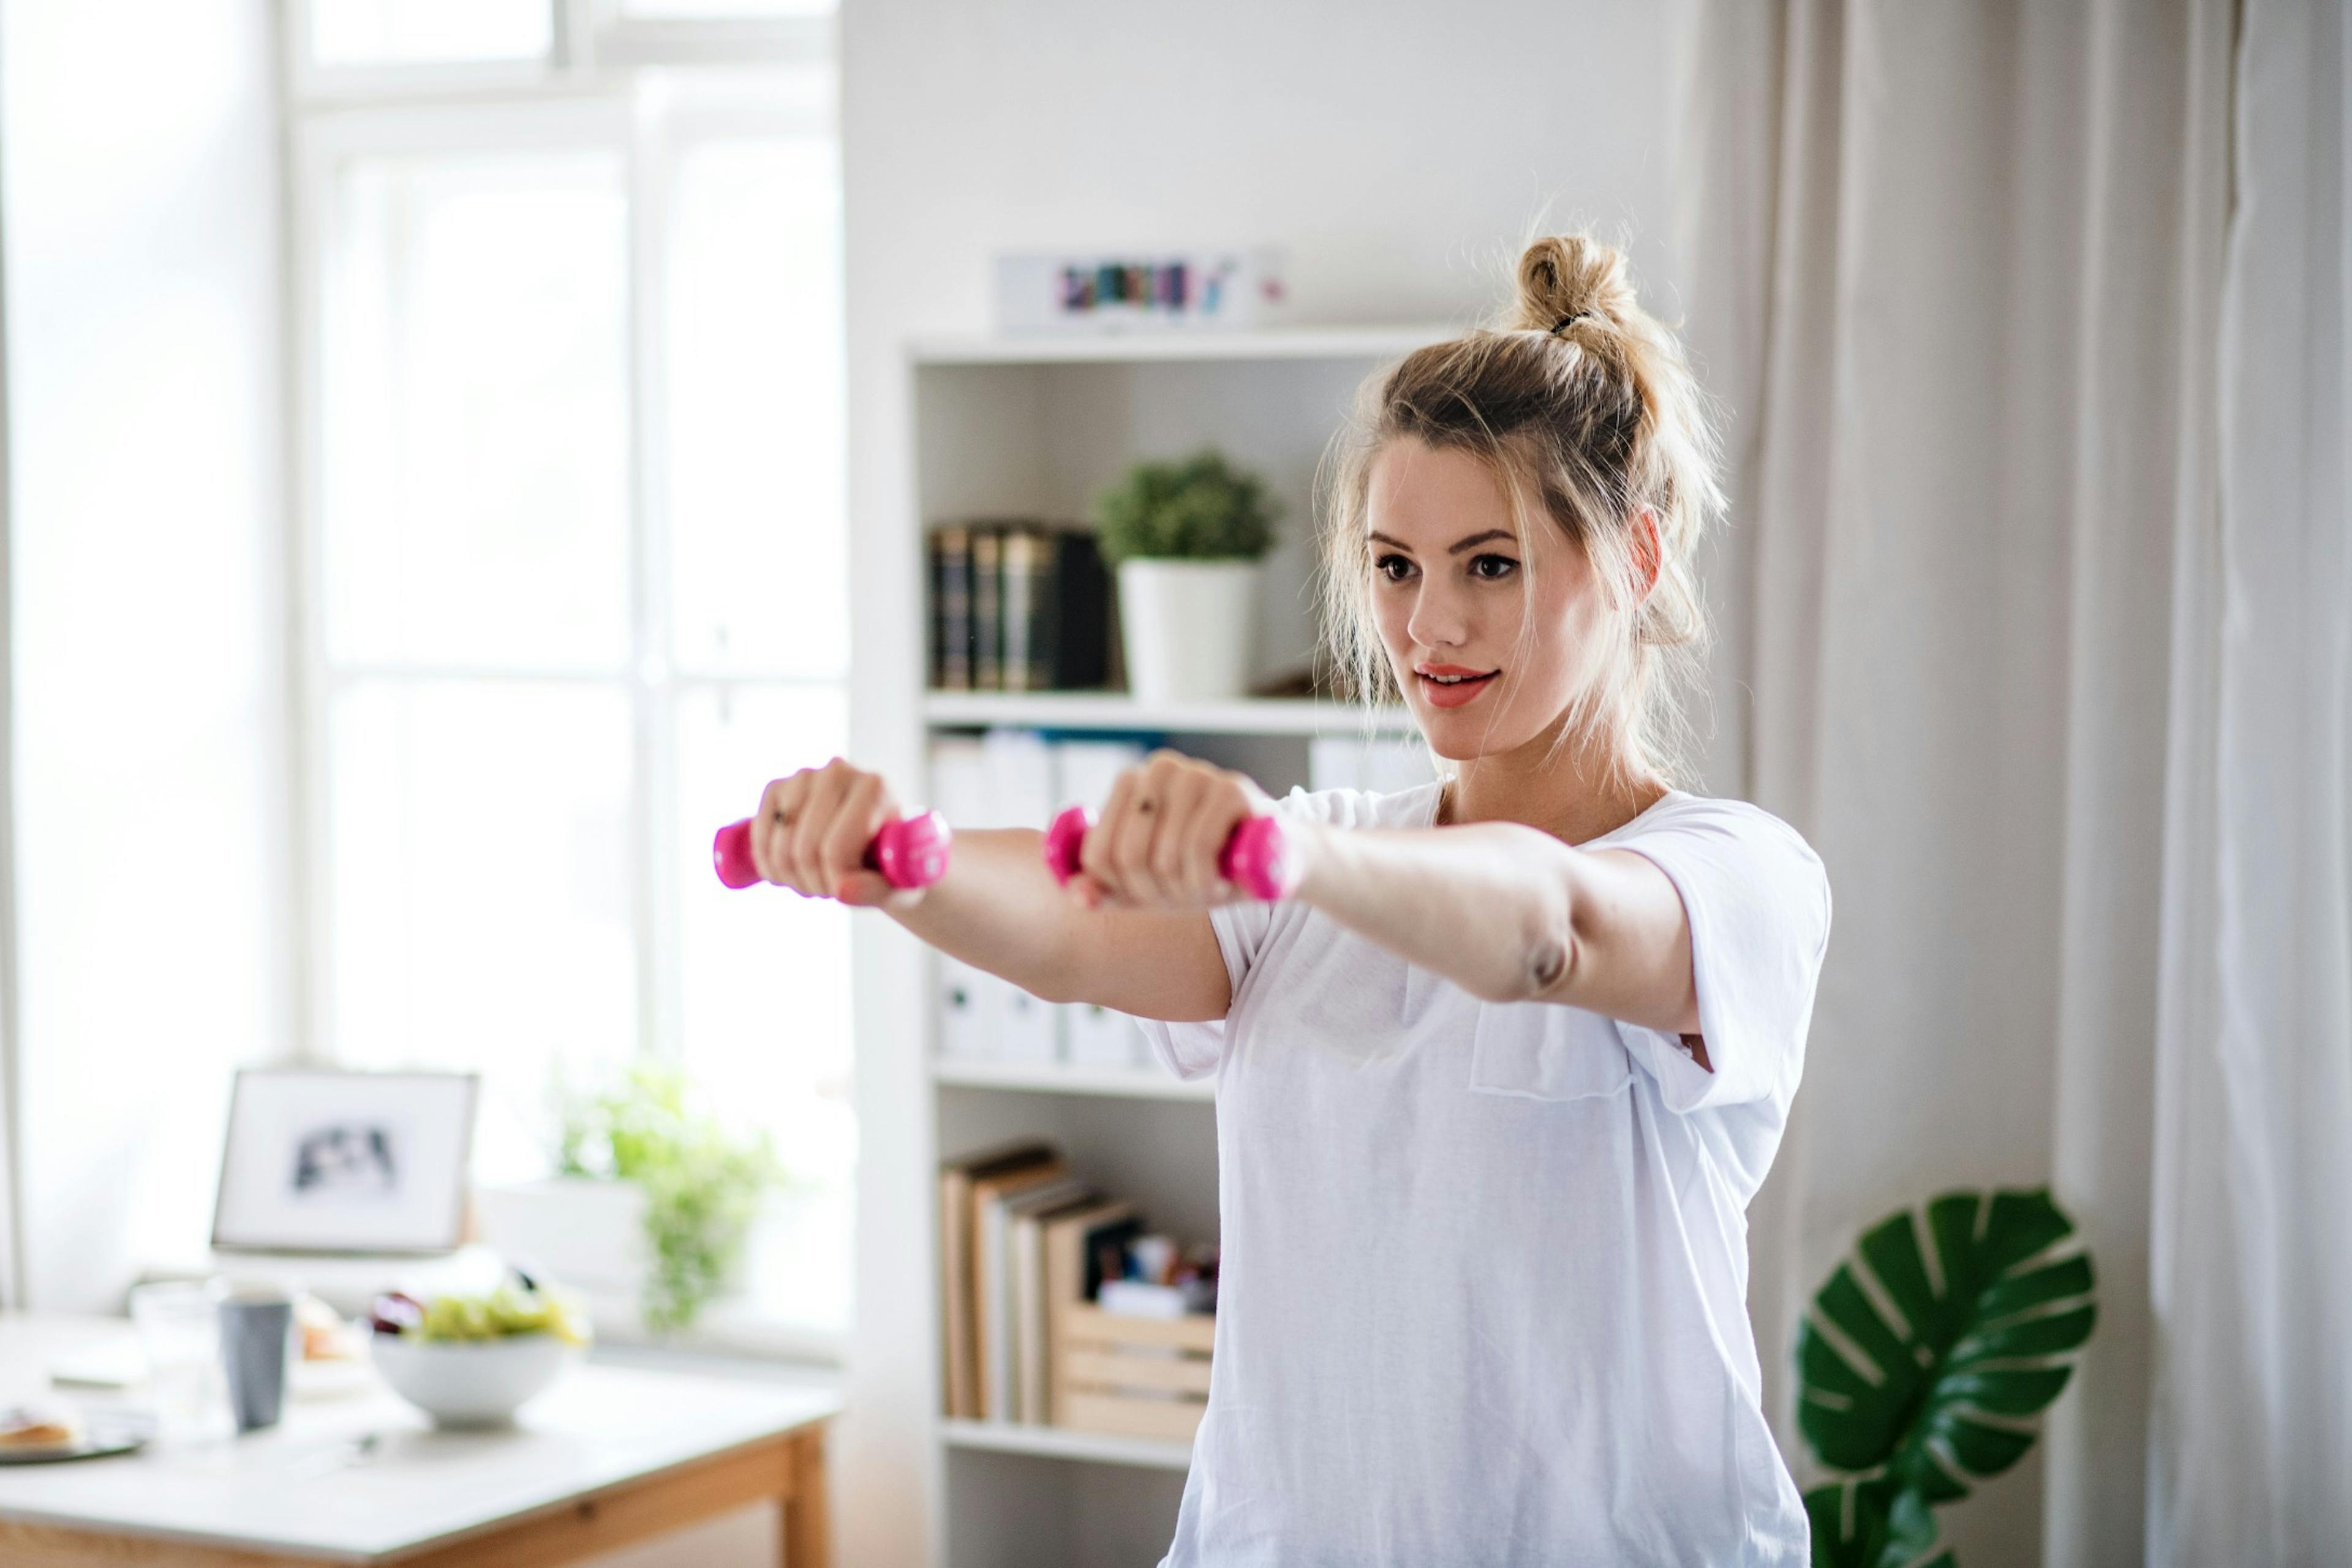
1188 629
587 1234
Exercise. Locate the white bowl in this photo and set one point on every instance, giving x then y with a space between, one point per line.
470 1383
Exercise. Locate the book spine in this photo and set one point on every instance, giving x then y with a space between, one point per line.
952 623
987 608
1080 634
1044 611
1018 606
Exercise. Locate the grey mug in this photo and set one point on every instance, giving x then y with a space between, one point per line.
254 1336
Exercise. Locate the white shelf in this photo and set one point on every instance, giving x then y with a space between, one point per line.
1178 343
1060 1078
1114 711
1060 1443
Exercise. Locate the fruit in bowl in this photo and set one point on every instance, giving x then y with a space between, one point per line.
474 1361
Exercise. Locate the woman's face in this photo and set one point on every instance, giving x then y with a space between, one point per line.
1451 596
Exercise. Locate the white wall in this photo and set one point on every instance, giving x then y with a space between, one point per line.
1401 155
139 182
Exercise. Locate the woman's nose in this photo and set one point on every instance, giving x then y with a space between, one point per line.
1438 620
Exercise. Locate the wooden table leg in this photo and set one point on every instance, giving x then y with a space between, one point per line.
807 1532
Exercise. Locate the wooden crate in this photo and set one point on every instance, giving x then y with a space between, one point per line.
1139 1377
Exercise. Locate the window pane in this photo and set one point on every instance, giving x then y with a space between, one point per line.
715 10
384 32
755 389
479 863
765 974
476 412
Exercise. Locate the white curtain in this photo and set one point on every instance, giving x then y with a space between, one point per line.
1994 604
2252 1461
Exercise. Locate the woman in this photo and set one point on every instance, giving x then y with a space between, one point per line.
1497 1086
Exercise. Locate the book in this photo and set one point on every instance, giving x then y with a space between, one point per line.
953 640
960 1396
991 1292
1024 1317
1066 1241
988 606
1099 1036
1019 605
1072 638
1085 771
967 1001
1026 600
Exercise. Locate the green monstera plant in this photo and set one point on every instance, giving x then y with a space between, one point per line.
1918 1407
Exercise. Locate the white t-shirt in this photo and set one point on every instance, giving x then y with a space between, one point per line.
1483 1265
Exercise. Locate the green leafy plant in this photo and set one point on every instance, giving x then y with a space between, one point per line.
1918 1407
702 1185
1200 509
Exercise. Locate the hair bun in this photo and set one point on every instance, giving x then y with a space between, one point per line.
1567 275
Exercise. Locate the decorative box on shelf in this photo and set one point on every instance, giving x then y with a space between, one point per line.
1136 1377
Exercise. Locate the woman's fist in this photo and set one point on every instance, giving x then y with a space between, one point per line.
1157 842
812 832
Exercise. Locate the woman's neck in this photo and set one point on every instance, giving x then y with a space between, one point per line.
1572 795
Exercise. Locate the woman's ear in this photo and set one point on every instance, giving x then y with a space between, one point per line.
1646 550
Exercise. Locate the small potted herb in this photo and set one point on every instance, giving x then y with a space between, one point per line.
651 1196
1188 539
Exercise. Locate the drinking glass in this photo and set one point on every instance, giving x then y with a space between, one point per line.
179 1328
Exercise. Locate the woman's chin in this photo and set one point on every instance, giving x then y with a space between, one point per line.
1458 736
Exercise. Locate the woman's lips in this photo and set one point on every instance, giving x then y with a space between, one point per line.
1454 693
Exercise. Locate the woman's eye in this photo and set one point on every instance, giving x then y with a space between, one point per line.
1382 563
1504 566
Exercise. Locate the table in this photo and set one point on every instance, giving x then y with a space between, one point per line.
608 1456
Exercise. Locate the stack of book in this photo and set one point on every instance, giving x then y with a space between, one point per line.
1022 1240
1018 607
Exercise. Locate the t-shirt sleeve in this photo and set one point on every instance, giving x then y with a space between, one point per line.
1758 904
1196 1048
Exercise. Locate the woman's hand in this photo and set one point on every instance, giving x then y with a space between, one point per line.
1156 844
813 829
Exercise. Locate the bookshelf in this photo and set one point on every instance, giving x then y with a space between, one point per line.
1047 1077
1113 712
1035 428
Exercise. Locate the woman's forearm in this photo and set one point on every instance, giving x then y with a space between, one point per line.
1486 905
1510 913
997 909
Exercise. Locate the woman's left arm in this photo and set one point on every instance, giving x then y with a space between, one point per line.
1509 913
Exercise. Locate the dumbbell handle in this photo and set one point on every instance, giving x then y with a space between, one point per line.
912 853
1256 858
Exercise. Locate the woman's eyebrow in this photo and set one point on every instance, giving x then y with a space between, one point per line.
1457 547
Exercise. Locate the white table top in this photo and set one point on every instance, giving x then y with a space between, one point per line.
302 1487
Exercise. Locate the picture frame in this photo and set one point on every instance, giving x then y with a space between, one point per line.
329 1161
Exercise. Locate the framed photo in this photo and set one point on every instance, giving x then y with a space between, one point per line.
345 1161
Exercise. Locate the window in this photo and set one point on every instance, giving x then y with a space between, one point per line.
573 560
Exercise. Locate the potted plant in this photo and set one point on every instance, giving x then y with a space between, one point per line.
652 1199
1917 1410
1187 539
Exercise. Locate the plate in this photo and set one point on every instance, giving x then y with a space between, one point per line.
95 1446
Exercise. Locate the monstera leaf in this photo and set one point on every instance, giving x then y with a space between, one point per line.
1872 1524
1923 1370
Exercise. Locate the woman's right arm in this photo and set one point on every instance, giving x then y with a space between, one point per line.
998 907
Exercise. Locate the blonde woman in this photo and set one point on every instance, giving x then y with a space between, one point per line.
1495 1086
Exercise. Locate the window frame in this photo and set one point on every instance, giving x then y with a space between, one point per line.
590 43
651 120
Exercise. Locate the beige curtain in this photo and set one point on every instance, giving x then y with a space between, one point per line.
1954 271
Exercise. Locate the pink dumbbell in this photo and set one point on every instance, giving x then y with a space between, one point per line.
1256 857
912 853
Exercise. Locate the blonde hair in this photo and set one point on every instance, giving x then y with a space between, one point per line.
1577 396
